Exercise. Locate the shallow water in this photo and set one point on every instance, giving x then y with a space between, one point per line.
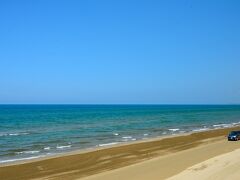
32 131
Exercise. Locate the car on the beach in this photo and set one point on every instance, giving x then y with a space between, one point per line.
234 136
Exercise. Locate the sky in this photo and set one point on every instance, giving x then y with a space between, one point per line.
120 52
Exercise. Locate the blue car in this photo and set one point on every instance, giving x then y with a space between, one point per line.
234 136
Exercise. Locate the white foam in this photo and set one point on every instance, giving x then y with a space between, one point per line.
145 134
46 148
27 152
219 125
222 125
115 134
174 130
228 125
108 144
20 159
200 129
25 133
127 137
13 134
133 139
182 131
62 147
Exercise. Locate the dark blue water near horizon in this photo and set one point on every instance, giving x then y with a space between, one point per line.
33 131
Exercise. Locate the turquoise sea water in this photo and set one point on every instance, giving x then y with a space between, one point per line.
33 131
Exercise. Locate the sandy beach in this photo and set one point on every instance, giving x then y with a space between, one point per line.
202 154
221 167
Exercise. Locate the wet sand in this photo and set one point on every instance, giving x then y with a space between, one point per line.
156 159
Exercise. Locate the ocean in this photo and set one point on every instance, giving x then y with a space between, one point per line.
34 131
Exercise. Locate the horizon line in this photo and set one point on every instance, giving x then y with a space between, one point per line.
119 104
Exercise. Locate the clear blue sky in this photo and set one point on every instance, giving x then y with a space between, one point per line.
124 51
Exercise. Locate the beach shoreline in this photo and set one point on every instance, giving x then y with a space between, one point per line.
84 163
97 148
